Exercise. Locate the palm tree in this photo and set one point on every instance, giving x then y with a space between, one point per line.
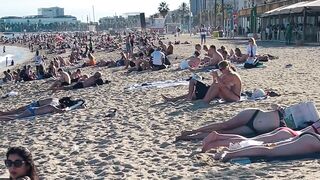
163 9
183 11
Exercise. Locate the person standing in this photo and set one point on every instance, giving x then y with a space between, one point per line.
38 62
203 34
267 32
4 49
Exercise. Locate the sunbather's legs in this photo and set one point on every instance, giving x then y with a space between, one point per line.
190 96
214 140
237 121
302 145
228 95
212 93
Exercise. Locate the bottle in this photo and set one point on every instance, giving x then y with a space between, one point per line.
241 161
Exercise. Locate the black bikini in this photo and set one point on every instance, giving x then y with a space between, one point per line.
249 124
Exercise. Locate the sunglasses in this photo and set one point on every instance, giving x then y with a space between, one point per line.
16 163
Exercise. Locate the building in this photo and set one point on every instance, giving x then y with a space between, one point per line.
38 20
250 11
51 12
196 6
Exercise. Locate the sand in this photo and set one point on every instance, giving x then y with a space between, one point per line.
138 143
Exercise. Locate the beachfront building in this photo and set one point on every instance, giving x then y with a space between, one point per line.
48 19
51 12
129 20
39 19
250 11
115 22
295 23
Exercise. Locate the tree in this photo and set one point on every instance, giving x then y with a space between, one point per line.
183 11
163 9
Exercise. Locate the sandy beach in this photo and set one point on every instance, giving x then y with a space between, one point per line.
138 143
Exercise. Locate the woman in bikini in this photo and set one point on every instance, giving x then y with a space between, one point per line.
215 140
247 122
305 143
46 106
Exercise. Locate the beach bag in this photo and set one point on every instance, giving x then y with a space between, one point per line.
301 115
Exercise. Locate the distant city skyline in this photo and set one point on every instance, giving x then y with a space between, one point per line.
83 8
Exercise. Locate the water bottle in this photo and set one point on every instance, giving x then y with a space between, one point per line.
241 161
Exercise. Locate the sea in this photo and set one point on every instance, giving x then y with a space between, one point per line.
17 54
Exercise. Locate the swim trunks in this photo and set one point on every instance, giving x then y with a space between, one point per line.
201 90
79 85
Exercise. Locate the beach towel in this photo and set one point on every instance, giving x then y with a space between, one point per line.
259 159
244 97
77 104
241 66
157 84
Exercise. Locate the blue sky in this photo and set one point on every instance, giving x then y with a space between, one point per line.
82 8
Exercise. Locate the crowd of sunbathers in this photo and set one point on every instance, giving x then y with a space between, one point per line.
143 51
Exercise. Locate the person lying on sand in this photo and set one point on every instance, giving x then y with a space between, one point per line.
303 144
77 76
255 122
89 82
226 86
45 106
191 63
121 62
215 139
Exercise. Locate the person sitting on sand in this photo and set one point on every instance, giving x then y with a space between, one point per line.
223 52
303 144
252 60
236 56
206 49
215 139
157 59
226 86
20 164
7 77
192 62
77 76
163 46
141 63
213 58
64 80
169 49
46 106
92 61
52 70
